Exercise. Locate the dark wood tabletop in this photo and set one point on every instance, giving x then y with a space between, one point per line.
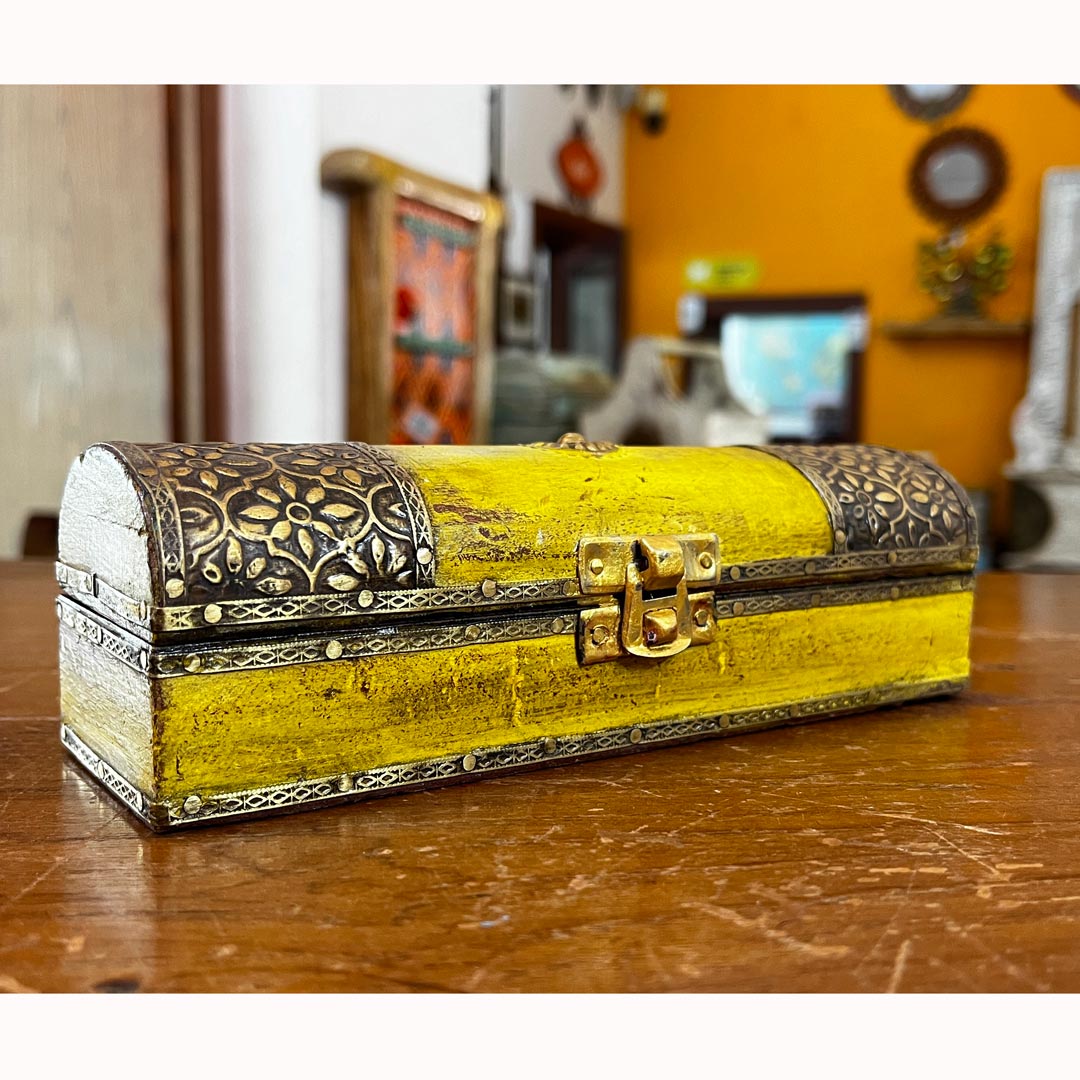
928 847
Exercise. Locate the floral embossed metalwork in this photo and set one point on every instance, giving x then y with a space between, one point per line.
238 521
881 499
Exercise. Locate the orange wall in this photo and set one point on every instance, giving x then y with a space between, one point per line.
812 181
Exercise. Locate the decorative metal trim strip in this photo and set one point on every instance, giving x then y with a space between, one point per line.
112 602
102 594
90 626
762 603
880 499
196 808
747 575
341 605
102 771
218 656
851 563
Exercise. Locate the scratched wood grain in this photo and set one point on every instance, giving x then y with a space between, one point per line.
930 847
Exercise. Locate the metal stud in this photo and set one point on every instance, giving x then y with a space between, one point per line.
192 805
596 567
489 588
423 556
333 649
366 598
193 662
636 735
736 573
174 587
550 745
468 762
706 560
738 607
212 613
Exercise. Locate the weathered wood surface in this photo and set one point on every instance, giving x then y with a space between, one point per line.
931 847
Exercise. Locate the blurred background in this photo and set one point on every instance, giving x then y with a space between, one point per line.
694 265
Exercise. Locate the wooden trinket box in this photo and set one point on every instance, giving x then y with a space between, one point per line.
247 629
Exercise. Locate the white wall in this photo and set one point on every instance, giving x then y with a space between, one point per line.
285 239
537 121
84 316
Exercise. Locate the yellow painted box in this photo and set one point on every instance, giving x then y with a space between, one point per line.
252 628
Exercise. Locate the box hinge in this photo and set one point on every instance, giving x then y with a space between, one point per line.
658 595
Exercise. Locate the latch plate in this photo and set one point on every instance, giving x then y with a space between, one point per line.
659 593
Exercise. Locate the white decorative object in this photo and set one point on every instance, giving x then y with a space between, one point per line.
647 402
1047 445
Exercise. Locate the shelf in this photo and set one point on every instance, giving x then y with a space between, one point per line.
945 326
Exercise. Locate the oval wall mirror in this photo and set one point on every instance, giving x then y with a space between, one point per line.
929 101
957 175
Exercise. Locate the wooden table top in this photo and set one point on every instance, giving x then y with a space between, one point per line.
929 847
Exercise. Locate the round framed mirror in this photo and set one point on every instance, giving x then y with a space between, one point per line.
957 175
929 101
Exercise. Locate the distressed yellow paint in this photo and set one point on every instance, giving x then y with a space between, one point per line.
236 730
517 514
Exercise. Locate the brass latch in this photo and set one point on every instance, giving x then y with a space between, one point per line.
660 595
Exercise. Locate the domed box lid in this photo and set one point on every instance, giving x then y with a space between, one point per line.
205 538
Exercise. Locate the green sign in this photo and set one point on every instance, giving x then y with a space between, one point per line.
725 273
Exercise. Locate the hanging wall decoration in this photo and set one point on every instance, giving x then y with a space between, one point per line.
924 101
958 175
962 275
579 166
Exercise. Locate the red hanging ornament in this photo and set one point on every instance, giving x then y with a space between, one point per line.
578 165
